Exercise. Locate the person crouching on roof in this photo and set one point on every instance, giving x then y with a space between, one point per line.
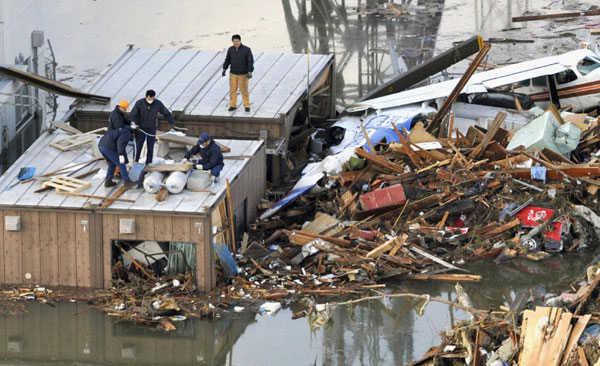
212 158
113 146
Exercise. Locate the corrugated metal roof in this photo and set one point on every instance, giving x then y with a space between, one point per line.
189 81
48 159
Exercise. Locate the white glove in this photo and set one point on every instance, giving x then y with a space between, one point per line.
121 159
184 160
198 167
134 126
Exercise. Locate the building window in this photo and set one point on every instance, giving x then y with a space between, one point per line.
22 113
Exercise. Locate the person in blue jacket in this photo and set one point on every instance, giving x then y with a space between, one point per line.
145 115
113 146
117 117
212 157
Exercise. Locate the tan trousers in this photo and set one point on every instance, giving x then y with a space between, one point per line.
241 82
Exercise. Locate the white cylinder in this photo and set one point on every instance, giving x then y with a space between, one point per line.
153 181
176 182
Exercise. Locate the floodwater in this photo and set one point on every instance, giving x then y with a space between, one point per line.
377 332
87 35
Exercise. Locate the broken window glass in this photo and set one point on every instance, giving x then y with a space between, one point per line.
587 65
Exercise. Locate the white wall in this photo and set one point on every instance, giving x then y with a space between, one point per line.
19 18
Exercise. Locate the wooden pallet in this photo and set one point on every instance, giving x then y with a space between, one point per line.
77 140
67 184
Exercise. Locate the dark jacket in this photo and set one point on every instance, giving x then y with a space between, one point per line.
117 140
146 115
117 120
240 59
211 155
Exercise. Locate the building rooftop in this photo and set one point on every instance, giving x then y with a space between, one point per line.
189 81
46 159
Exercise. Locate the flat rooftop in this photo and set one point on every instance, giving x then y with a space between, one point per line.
47 159
189 82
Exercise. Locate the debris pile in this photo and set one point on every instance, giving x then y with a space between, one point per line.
420 207
559 330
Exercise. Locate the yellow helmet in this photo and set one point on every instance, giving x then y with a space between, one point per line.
124 104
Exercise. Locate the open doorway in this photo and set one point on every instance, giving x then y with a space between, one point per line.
153 260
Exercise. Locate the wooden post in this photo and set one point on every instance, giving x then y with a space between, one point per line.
230 217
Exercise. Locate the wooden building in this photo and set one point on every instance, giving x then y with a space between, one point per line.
53 239
189 83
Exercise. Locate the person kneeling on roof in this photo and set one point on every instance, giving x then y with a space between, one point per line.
212 158
113 148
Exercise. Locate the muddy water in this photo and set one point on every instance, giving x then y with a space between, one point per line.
87 35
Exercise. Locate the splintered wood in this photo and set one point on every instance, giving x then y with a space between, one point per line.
67 184
549 338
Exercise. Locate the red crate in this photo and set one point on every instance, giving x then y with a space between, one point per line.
389 196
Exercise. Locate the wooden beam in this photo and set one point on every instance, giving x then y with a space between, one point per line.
92 196
378 160
458 88
364 131
489 135
177 167
230 218
112 197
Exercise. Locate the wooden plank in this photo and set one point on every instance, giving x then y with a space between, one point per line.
553 350
202 237
531 334
176 167
181 229
575 335
31 247
163 228
582 358
67 254
83 227
489 135
230 219
378 160
576 172
49 248
96 250
13 254
110 225
2 253
144 229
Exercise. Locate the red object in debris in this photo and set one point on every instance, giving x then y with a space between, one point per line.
367 235
533 216
389 196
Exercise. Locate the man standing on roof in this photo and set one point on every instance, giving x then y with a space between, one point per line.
145 114
117 117
242 64
212 158
113 146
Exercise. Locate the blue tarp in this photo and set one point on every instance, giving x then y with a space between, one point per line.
226 259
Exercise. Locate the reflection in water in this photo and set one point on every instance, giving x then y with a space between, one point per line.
369 49
369 333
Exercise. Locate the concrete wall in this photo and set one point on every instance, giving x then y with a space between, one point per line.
19 18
